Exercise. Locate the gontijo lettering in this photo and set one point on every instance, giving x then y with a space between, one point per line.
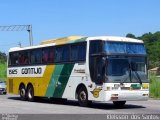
31 70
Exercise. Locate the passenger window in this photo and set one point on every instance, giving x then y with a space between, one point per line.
45 53
74 52
36 56
58 54
23 58
65 54
51 54
48 55
82 52
14 58
78 52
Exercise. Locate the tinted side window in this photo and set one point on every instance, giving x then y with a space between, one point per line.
48 55
62 53
58 54
96 46
14 58
66 53
24 58
74 52
82 51
78 52
36 56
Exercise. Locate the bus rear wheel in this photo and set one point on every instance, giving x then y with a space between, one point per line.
30 93
119 103
83 97
22 93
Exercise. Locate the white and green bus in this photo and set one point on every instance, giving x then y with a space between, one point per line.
103 68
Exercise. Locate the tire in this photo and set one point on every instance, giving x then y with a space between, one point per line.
22 93
83 97
119 103
30 93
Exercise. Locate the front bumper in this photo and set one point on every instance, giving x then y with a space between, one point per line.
136 95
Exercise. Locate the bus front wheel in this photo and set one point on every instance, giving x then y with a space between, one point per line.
30 93
22 93
119 103
83 97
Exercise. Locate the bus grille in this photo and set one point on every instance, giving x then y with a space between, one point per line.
10 85
129 88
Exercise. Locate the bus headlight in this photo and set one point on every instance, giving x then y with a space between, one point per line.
116 86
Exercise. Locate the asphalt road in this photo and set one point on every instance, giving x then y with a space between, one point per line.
13 105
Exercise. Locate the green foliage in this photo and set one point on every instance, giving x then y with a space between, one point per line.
130 35
3 57
3 71
3 67
152 44
154 86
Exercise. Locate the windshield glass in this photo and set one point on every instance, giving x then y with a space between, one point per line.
127 70
138 70
118 70
122 47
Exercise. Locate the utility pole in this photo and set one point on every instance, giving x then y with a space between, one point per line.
30 35
19 28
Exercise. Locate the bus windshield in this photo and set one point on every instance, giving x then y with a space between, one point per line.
126 70
126 48
118 70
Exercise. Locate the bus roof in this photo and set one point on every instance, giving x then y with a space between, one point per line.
65 40
115 38
61 40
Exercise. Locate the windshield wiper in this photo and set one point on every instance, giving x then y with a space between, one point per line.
140 81
129 70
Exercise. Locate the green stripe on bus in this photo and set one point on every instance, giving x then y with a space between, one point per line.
77 40
63 80
54 79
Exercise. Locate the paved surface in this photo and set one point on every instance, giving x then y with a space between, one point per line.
13 105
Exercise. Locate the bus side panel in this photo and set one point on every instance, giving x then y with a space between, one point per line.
59 80
76 77
79 76
40 84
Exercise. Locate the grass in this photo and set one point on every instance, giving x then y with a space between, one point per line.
3 71
154 86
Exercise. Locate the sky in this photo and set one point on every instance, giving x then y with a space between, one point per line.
60 18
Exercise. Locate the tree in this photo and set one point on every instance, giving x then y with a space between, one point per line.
152 44
130 35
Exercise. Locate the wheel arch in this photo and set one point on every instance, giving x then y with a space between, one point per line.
29 84
77 89
21 84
